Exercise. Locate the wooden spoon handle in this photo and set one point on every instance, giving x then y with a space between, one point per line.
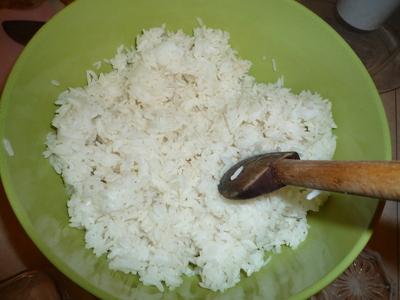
377 179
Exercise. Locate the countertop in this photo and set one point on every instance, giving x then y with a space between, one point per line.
18 253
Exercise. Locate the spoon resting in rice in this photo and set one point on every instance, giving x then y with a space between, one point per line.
262 174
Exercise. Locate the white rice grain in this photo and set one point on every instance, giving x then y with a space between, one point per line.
8 147
237 172
55 83
97 65
313 194
273 65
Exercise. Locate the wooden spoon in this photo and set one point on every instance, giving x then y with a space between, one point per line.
265 173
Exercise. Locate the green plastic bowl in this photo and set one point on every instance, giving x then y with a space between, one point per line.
307 52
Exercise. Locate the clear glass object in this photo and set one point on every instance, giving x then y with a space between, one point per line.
29 285
366 14
366 278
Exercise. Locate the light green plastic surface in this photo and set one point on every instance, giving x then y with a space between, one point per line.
307 52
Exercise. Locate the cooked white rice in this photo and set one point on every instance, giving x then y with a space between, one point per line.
55 82
237 173
8 147
142 148
273 65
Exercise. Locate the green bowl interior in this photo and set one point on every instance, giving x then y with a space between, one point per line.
307 52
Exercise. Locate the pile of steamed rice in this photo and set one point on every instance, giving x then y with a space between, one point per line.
141 150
